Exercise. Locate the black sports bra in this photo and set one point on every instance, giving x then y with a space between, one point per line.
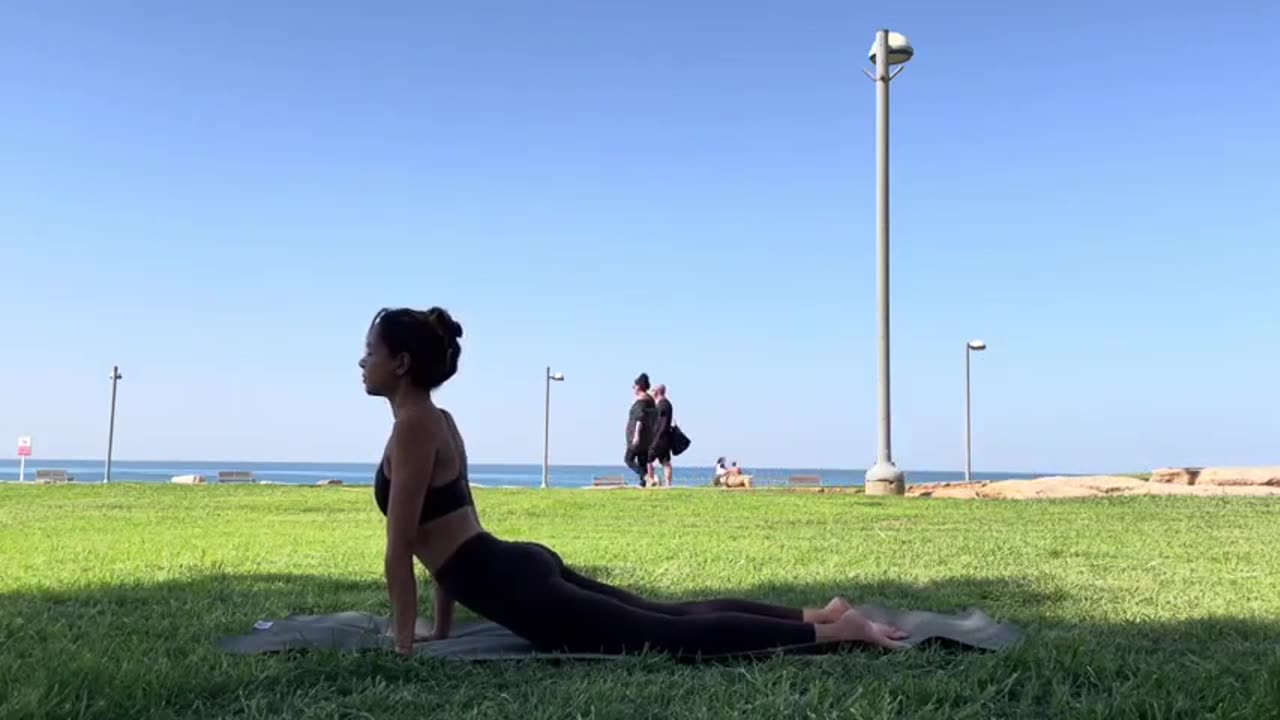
440 500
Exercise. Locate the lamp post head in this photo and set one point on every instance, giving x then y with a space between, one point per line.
900 49
977 345
558 377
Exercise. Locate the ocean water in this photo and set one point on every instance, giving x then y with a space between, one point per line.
482 475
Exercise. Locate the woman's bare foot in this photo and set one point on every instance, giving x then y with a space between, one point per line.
829 614
853 626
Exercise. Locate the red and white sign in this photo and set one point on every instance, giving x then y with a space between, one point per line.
24 447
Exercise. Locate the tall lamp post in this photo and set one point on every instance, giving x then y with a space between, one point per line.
546 426
115 378
889 49
970 348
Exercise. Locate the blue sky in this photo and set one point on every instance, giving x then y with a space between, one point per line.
217 196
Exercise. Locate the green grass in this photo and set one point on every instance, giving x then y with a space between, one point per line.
111 599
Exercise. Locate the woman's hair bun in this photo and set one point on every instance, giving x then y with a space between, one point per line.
443 320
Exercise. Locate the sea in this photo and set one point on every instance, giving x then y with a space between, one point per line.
481 475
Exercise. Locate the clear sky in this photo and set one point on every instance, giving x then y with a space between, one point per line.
218 195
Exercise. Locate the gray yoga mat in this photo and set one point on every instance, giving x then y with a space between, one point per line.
353 631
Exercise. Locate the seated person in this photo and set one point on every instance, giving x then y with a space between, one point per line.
718 475
729 475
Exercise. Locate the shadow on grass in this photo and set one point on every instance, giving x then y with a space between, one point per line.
148 649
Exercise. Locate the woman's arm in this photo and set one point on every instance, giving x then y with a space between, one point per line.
444 612
413 453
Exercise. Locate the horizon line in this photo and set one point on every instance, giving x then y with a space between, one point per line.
504 464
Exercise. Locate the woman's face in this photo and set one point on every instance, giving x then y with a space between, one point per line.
381 370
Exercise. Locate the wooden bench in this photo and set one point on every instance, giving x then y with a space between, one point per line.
53 477
235 476
804 481
608 481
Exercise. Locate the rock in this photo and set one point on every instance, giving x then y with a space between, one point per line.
1061 487
1081 487
1251 476
1176 476
330 481
959 490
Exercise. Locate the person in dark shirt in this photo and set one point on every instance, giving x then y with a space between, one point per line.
640 422
660 452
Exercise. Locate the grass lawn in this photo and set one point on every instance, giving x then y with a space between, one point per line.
111 598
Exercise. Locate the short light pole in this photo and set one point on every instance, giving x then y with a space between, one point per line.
970 348
890 48
546 426
115 378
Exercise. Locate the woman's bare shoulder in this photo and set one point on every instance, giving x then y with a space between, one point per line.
420 425
455 434
449 422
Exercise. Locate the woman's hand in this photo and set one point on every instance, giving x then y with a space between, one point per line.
420 635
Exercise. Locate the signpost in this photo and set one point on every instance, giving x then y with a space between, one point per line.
24 452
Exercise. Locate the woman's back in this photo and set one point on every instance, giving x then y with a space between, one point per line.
441 536
448 517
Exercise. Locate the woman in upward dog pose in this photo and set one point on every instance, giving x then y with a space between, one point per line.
421 486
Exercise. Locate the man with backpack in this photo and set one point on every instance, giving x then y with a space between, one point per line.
660 451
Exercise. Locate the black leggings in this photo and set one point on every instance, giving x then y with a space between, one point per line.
527 588
637 460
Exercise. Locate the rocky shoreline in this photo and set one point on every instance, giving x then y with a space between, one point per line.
1216 482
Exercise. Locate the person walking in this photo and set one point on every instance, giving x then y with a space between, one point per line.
640 426
661 450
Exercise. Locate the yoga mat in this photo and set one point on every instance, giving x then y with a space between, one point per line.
482 641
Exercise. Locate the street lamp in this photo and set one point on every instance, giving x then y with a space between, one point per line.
972 347
115 377
890 48
546 425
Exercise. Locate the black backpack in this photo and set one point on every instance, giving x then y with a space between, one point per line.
679 441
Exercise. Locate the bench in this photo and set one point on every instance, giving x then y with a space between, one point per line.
608 481
187 479
329 482
235 476
53 477
804 481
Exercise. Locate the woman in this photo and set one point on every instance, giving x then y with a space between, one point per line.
421 486
721 472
